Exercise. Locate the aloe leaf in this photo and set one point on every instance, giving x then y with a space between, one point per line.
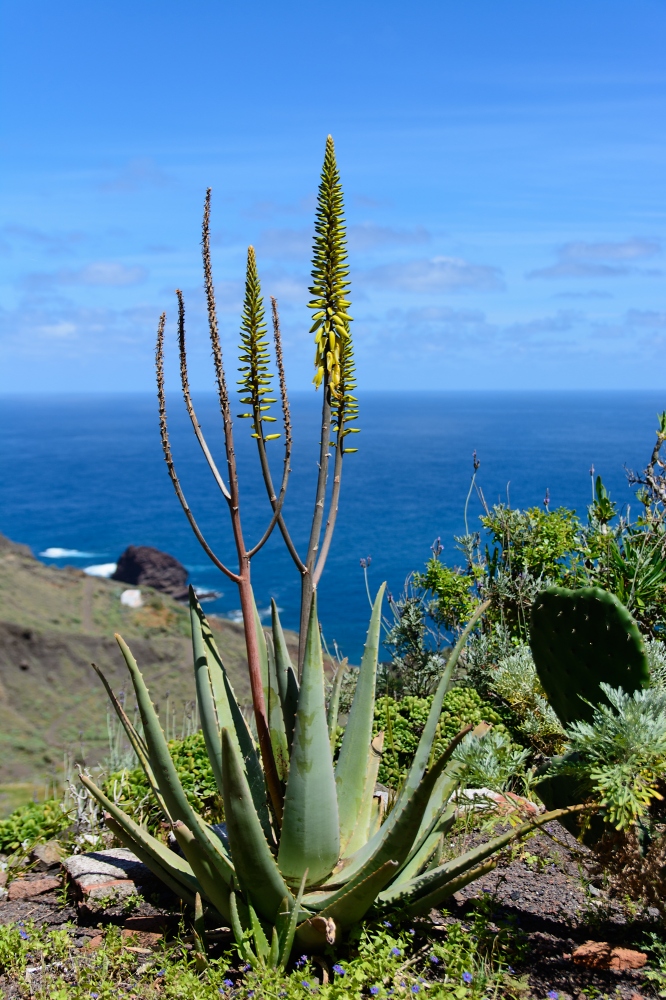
287 938
287 683
426 845
274 954
276 718
210 723
244 949
163 874
165 772
260 940
137 742
333 710
229 716
215 889
258 874
361 833
155 853
425 903
310 836
396 839
422 755
352 905
350 771
434 879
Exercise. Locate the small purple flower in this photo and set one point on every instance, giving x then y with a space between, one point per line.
301 961
228 982
162 972
338 970
94 996
411 931
434 959
305 983
510 970
416 989
250 993
467 977
552 995
387 923
396 952
26 937
374 990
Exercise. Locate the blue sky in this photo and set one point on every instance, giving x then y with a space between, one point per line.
503 166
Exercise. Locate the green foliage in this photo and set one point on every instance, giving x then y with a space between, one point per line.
256 382
620 755
580 638
516 682
403 723
453 602
535 541
132 791
416 660
459 964
32 823
493 761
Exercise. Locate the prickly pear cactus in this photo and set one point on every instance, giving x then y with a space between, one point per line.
580 638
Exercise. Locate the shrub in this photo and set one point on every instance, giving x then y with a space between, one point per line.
33 822
403 722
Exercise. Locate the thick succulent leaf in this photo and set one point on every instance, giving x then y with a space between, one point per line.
214 888
355 751
210 723
310 836
274 954
426 844
423 751
361 834
436 878
165 772
395 839
152 852
333 709
276 718
425 903
353 904
177 886
258 874
137 742
229 716
287 683
287 927
260 940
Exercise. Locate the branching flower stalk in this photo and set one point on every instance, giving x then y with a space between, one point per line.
334 373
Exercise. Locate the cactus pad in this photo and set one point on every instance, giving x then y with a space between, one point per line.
580 638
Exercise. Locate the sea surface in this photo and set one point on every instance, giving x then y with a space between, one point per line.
85 474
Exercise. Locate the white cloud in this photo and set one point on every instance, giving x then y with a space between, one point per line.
437 274
601 260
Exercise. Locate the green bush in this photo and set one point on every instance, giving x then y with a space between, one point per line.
403 722
33 822
130 789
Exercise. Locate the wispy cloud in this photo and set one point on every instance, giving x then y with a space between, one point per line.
368 236
138 174
601 260
583 295
105 273
55 243
437 274
296 244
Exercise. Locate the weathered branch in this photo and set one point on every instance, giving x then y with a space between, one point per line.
188 399
166 448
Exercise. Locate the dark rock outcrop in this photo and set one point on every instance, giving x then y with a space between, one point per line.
140 565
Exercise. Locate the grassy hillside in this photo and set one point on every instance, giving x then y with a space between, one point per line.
53 624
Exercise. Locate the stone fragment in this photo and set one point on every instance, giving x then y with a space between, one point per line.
47 855
94 942
22 888
600 955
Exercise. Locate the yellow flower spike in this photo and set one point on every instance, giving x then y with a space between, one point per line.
256 380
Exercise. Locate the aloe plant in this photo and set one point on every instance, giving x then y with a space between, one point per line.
306 850
334 854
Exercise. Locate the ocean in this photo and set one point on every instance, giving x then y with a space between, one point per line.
85 474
